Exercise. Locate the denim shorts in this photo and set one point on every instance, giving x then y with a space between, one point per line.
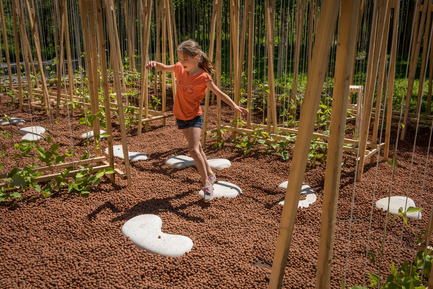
195 122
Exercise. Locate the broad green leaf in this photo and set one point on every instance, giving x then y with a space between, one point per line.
411 210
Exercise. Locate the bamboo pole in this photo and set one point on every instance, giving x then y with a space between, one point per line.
101 44
34 28
272 108
163 58
343 69
25 49
250 59
117 85
416 44
211 53
68 51
426 47
128 31
393 61
299 24
147 19
321 50
5 37
88 25
17 53
218 64
430 84
381 81
173 21
60 60
375 48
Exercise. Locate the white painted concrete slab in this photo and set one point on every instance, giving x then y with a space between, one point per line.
145 232
224 189
182 161
397 202
32 129
307 191
89 134
13 120
133 156
32 137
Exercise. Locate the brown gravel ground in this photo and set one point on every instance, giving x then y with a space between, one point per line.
73 241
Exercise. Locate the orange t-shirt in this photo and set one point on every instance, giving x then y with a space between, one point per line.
189 92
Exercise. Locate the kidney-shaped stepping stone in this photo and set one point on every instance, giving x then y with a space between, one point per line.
32 130
224 189
145 232
395 203
306 190
13 120
181 162
32 137
89 134
133 156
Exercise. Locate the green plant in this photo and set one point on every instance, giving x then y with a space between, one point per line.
83 180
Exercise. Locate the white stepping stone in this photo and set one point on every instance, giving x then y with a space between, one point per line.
32 130
133 156
89 134
145 232
32 137
219 164
224 189
181 162
395 203
306 190
13 120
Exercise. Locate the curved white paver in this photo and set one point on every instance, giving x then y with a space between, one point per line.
13 120
133 156
182 161
32 129
89 134
310 195
32 137
224 189
145 232
397 202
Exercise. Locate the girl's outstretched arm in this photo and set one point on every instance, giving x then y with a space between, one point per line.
211 85
159 66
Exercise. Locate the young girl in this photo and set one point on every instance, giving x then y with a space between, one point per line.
193 78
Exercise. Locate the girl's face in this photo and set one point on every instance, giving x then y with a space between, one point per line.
189 63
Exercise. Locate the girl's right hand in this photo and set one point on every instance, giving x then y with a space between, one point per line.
151 64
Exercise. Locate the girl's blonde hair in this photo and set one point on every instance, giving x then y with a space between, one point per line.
191 48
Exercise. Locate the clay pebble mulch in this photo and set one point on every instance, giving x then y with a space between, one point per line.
72 241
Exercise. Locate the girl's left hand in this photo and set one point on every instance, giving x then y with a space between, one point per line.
242 110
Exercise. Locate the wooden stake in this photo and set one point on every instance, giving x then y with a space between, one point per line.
375 47
392 65
426 47
321 50
299 23
211 52
381 81
272 108
343 69
101 43
34 27
416 44
250 59
5 37
117 85
17 53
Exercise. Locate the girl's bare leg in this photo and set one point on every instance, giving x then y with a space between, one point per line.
192 135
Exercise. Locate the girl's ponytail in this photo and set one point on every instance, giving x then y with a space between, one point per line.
191 48
205 64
